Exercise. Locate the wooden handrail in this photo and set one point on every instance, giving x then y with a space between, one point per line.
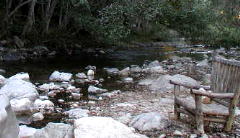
214 95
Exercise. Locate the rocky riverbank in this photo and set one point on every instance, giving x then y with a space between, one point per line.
79 105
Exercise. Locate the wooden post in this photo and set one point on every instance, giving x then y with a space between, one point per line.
199 114
232 108
176 106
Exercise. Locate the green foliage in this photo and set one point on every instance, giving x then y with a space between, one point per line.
110 21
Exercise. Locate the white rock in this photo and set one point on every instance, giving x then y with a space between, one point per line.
55 130
73 89
76 96
21 106
90 73
154 63
177 133
47 87
37 116
81 76
61 101
203 63
21 76
17 88
112 71
60 76
2 80
77 113
43 105
102 127
8 122
27 132
124 72
93 89
135 69
125 118
162 136
193 136
128 80
149 121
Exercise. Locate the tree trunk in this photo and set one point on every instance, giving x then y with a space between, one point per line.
49 13
31 19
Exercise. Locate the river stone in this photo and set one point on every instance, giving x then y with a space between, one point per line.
17 88
60 76
154 63
2 80
124 72
135 69
27 132
21 106
149 121
48 86
203 63
81 76
8 122
55 130
93 89
90 72
161 84
21 76
112 71
37 116
128 80
77 113
44 105
102 127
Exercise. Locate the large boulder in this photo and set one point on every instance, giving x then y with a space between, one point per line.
18 89
102 127
8 122
77 113
162 83
96 90
60 76
149 121
27 132
21 76
21 106
55 130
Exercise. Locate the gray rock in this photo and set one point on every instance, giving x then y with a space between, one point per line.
93 89
102 127
149 121
21 76
27 132
81 76
203 63
77 113
18 89
154 64
112 71
128 80
135 69
37 116
60 76
8 122
161 84
55 130
124 72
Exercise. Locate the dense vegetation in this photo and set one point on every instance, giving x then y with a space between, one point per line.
91 22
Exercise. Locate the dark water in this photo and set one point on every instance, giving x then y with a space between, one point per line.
40 70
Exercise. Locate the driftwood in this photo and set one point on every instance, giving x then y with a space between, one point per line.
225 95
